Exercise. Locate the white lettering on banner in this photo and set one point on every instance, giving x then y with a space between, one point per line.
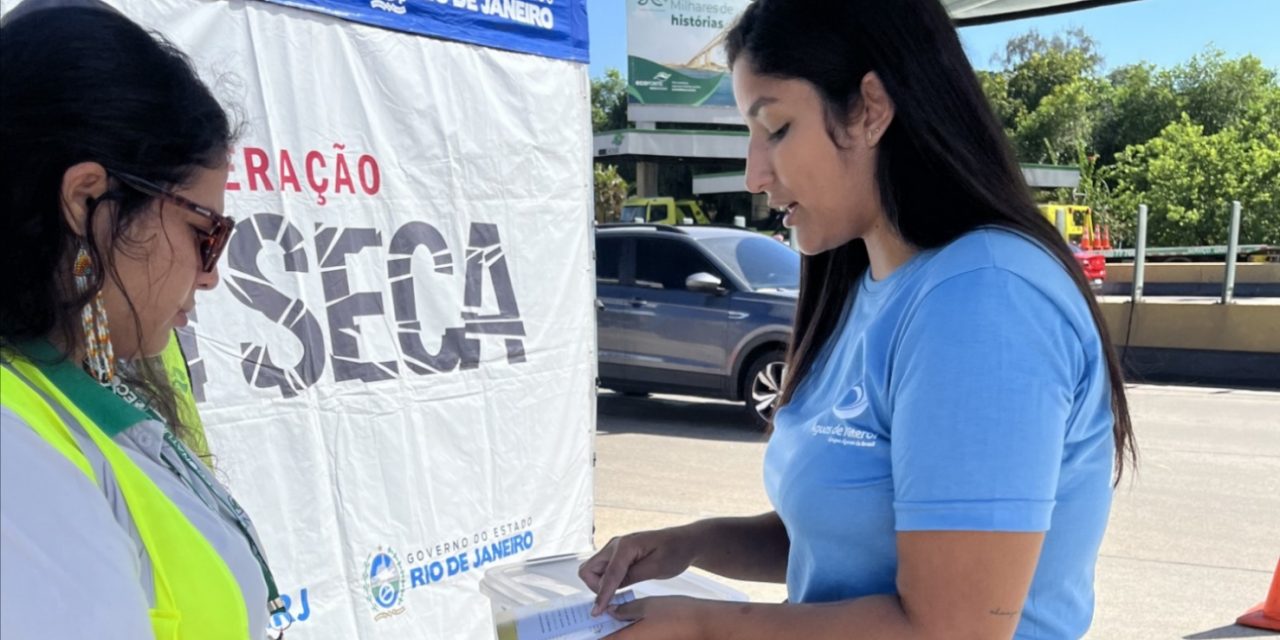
392 6
520 11
459 346
524 12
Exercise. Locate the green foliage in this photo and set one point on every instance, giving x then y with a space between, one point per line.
1036 66
1008 109
1047 93
1213 90
1189 177
1064 118
1093 184
1139 105
609 102
611 191
1185 140
1218 92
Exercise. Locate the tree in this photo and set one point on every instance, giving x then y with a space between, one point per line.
1093 184
1035 65
1262 116
1064 119
1185 140
609 102
995 85
608 113
1048 93
1141 103
611 191
1212 90
1189 177
1218 92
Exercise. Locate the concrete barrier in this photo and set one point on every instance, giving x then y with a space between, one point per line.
1253 279
1197 340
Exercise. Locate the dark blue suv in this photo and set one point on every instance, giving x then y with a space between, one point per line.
698 310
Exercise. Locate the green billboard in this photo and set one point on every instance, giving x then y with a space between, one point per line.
675 52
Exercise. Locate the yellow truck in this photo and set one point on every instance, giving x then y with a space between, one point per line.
663 210
1081 232
1079 222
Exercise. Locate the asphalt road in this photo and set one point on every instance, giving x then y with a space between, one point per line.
1194 535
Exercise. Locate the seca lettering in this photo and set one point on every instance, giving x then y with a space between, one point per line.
459 343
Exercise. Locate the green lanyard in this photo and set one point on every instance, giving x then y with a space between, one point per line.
114 407
228 504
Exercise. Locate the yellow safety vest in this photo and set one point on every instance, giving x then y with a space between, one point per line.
196 595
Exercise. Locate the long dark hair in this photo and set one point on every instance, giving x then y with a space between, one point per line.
944 167
88 85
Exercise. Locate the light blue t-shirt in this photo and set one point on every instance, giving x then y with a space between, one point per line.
967 391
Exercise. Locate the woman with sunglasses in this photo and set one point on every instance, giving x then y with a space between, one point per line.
115 166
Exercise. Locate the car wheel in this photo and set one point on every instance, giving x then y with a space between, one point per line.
762 386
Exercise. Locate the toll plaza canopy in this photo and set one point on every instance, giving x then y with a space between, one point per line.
975 12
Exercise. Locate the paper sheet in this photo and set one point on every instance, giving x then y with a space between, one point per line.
567 618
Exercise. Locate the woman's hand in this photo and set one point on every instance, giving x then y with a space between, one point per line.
636 557
667 618
951 584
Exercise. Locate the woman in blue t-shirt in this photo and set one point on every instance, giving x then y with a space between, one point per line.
954 416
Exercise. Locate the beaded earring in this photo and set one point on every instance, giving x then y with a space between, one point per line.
99 357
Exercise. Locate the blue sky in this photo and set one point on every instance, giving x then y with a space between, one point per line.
1164 32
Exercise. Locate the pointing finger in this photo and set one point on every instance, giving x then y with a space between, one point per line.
613 576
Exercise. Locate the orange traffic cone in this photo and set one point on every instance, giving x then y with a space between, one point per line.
1267 614
1106 237
1086 239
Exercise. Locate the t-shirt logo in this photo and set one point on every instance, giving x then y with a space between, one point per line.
852 405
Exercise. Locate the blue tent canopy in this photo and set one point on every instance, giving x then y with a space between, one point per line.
548 28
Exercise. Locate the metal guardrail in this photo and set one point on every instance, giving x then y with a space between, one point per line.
1233 242
1231 251
1140 257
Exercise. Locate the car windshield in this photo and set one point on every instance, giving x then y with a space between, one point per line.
633 213
763 262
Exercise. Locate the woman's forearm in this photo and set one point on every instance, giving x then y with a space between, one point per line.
870 618
751 548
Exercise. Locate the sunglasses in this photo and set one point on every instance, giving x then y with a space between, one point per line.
212 242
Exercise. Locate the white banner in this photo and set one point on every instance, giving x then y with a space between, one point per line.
397 371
